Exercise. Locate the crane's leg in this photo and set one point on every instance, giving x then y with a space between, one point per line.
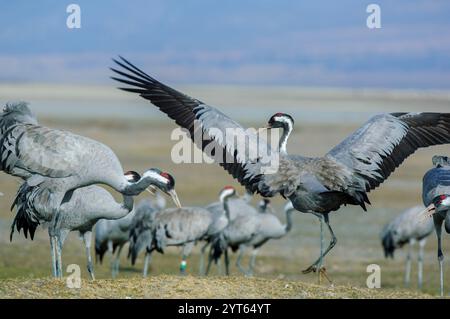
116 262
437 219
60 239
53 254
319 261
147 260
210 259
187 249
422 243
408 262
87 236
242 249
201 270
322 244
227 262
252 262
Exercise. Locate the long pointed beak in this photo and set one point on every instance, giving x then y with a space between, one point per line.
174 196
151 189
426 212
264 128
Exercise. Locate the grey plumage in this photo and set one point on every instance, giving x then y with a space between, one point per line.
406 229
436 197
317 185
59 161
112 235
253 231
85 207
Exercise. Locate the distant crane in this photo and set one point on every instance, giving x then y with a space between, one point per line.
86 206
436 198
173 227
112 235
253 230
407 228
56 163
317 185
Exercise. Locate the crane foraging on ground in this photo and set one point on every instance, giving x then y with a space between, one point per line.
178 227
251 231
407 228
55 163
112 235
172 227
317 185
436 198
86 206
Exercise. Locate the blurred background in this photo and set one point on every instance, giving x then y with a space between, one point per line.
317 61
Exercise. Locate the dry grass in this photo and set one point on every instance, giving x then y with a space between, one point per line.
186 287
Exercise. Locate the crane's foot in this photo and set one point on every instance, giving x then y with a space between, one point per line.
322 271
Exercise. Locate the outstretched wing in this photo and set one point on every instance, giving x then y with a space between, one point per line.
245 160
376 149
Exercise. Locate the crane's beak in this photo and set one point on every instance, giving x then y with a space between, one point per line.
172 193
151 189
428 212
265 128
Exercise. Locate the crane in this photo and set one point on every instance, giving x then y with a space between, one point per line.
436 198
407 228
316 185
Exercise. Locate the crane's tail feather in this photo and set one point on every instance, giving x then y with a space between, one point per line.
218 246
26 216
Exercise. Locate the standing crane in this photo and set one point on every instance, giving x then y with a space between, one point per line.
112 235
86 206
59 161
407 228
317 185
436 198
174 227
252 231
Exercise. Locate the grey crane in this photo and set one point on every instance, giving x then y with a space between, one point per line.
317 185
173 227
407 228
86 206
60 161
252 231
436 198
237 206
112 235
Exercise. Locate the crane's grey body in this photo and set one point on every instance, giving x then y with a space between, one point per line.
86 206
436 184
253 231
316 185
59 161
407 228
112 235
172 227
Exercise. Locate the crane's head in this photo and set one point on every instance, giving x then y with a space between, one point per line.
439 160
264 204
442 203
132 176
164 182
387 240
281 120
227 192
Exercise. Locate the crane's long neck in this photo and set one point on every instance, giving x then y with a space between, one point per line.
288 226
134 189
286 131
226 208
125 209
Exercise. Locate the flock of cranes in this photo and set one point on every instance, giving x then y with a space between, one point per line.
61 171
